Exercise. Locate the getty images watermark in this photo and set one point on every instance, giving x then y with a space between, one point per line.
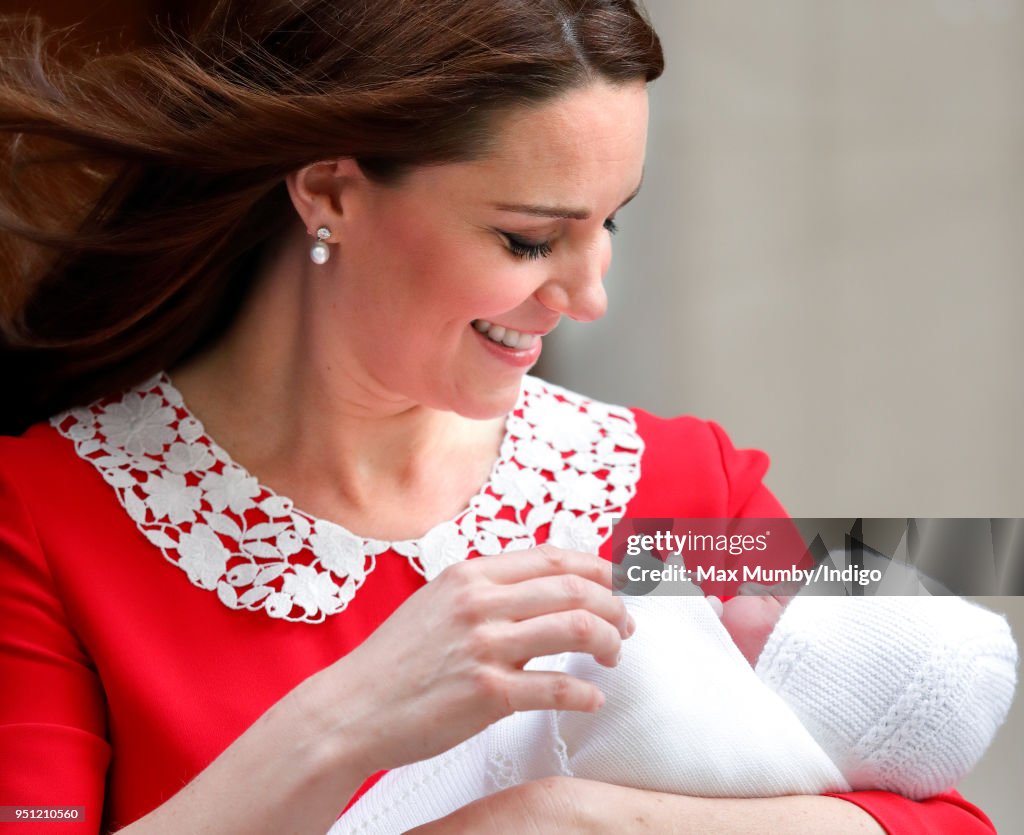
856 557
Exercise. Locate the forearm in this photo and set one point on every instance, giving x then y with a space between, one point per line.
289 772
635 810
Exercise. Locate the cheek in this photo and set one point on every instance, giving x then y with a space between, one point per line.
398 275
432 267
473 280
419 275
409 250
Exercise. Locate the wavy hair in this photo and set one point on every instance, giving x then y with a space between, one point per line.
141 188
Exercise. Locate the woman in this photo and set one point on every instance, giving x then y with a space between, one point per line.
321 242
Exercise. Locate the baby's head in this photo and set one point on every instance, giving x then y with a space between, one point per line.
904 693
749 619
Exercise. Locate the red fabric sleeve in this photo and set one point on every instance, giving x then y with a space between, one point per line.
53 747
944 813
692 469
744 473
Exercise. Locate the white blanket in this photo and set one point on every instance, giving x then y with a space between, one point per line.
730 735
685 713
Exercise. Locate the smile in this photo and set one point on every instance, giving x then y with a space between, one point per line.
506 336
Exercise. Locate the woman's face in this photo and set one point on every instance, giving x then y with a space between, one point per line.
517 241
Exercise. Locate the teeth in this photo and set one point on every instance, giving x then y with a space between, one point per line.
506 336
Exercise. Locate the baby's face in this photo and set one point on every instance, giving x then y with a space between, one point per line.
749 619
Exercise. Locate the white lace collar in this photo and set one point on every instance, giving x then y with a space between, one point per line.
566 462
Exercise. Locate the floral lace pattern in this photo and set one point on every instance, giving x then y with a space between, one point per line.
567 468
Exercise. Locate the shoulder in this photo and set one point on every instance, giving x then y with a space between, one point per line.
688 466
45 476
36 456
68 446
34 491
696 461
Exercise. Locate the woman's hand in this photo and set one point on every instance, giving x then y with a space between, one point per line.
449 661
548 805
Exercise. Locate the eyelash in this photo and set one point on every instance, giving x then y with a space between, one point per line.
528 251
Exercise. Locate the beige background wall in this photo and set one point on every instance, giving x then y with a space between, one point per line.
828 254
828 259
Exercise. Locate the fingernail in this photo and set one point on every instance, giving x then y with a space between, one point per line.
630 625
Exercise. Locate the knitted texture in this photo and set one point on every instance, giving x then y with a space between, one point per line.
684 712
903 693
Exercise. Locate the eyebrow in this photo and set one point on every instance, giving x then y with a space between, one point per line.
560 212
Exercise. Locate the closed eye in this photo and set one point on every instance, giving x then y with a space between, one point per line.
529 251
525 249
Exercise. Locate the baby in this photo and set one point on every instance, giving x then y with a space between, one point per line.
902 694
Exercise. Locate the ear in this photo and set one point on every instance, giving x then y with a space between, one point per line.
321 191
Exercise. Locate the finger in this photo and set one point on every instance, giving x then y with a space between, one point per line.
559 593
516 566
574 631
546 690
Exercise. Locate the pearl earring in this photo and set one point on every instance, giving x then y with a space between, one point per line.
319 252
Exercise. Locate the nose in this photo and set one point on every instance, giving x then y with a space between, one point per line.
576 289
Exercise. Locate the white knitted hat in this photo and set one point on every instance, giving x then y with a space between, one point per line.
903 693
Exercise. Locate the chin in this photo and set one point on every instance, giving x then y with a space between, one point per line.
489 401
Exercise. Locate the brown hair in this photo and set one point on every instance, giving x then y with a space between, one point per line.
142 188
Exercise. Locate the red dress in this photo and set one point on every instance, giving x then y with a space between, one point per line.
155 599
